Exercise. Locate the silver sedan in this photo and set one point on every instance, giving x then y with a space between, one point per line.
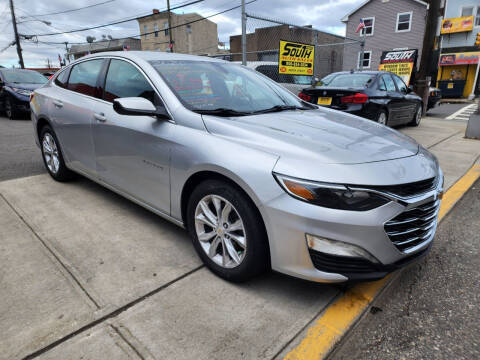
259 178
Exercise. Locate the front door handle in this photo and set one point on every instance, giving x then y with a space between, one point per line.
57 103
100 117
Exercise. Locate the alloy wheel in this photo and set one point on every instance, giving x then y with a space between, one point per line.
220 231
382 118
8 109
418 115
50 153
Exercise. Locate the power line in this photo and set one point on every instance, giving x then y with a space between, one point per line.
71 10
169 28
109 24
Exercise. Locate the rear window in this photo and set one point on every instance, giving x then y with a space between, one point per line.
348 80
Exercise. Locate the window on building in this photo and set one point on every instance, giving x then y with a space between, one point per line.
404 22
165 27
366 60
369 25
145 32
467 11
189 29
477 17
155 28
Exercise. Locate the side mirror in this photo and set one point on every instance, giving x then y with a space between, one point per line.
138 106
410 89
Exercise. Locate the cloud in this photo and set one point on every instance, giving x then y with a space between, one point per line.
322 14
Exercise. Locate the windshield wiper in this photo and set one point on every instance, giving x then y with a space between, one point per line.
278 108
222 112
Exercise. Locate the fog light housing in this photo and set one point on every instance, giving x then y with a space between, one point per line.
337 248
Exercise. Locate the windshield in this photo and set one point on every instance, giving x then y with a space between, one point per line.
347 80
23 76
204 85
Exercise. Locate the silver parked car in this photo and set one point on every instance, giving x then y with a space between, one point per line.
260 178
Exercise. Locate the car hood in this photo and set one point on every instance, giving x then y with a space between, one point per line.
320 136
25 86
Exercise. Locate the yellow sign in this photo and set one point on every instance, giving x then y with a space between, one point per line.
296 58
402 69
455 25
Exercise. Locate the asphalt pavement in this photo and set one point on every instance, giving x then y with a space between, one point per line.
444 110
431 310
19 155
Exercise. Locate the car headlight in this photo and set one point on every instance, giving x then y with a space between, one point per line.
24 92
333 196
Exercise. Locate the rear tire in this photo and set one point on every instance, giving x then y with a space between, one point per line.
233 242
417 117
382 117
53 157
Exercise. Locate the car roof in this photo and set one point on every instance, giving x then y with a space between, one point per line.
152 55
368 72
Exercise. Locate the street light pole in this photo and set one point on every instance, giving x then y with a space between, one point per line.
244 34
170 26
17 38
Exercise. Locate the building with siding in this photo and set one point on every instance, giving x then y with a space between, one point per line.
389 25
458 71
191 33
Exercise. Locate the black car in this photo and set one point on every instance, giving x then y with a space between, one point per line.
16 85
375 95
434 97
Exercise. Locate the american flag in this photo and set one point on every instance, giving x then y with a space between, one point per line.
360 26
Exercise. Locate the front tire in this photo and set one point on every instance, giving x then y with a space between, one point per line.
52 156
10 111
227 231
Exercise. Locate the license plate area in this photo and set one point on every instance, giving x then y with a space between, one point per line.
325 101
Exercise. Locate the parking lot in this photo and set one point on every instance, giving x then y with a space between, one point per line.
86 272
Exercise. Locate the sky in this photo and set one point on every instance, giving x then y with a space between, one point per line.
322 14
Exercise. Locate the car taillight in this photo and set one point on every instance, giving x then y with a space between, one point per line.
358 98
31 96
50 76
305 97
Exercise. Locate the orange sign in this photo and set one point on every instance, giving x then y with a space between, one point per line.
455 25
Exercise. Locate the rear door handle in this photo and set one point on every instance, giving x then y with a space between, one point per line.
100 117
57 103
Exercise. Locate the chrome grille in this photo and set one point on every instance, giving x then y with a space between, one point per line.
411 229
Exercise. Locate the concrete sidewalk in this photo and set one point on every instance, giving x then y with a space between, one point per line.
86 273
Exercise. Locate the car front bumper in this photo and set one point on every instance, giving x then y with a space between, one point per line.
289 220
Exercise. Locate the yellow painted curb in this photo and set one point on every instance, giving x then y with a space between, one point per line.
329 328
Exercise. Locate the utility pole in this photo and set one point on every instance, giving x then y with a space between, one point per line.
244 34
17 38
422 85
170 26
66 49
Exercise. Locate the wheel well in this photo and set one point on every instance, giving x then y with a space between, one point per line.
40 124
199 177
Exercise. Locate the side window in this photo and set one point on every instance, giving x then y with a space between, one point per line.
400 84
124 80
381 84
83 77
62 78
389 83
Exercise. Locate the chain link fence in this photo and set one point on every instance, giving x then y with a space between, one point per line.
332 52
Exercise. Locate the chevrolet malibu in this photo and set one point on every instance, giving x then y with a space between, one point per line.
259 178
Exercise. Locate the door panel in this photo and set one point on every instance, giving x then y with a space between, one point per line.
395 100
408 106
132 152
72 113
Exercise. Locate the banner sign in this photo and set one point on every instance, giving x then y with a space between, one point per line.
465 58
455 25
296 58
399 62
